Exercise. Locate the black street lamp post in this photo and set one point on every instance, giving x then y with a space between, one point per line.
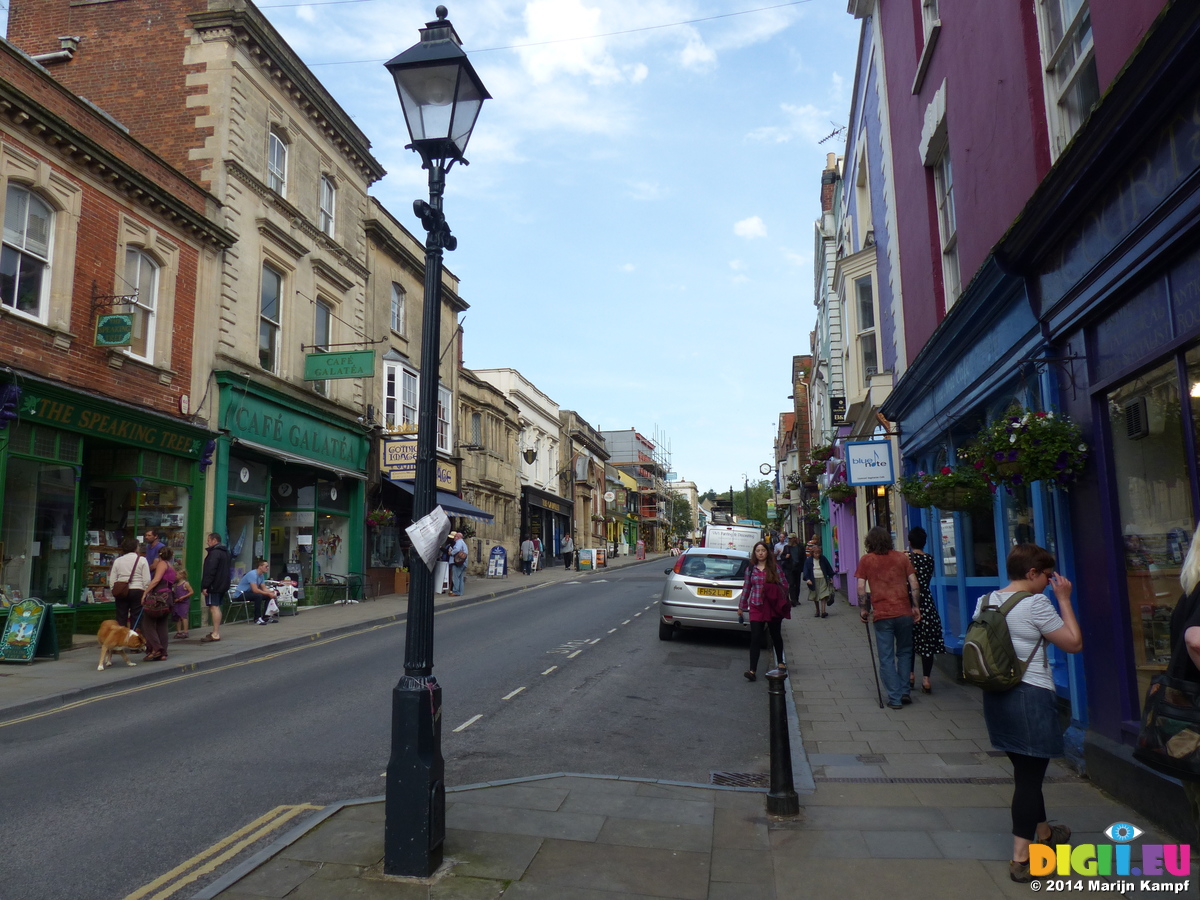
441 95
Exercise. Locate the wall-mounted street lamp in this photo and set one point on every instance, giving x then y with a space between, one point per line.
441 95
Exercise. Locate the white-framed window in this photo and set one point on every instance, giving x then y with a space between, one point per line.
142 279
929 15
397 308
25 258
1069 59
868 346
322 329
443 419
328 204
943 182
270 300
277 152
408 397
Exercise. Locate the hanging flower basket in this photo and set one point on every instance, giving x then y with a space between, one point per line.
957 490
841 492
794 479
813 471
1024 445
914 491
821 454
380 518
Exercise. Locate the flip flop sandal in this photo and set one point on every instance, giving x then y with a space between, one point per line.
209 639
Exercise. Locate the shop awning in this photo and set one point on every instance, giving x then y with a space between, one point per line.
454 506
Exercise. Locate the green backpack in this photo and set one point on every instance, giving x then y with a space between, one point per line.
989 660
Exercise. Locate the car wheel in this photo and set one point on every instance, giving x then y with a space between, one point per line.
665 631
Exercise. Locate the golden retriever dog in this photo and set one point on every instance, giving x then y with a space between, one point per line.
114 637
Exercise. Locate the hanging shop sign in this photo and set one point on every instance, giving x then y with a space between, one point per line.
90 417
114 330
324 366
837 410
869 462
398 461
291 430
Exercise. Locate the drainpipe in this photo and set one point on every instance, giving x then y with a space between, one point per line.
68 45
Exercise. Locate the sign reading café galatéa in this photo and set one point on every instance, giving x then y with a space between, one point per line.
291 430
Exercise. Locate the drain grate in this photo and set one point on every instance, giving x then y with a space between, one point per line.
872 758
740 779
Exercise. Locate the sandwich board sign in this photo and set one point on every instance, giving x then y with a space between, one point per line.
25 633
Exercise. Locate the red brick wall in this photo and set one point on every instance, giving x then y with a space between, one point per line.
29 347
129 63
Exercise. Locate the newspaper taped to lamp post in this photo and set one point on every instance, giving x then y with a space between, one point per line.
428 534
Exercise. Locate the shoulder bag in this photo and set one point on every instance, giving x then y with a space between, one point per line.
120 589
1169 740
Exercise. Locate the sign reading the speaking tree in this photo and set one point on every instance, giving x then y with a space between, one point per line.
323 366
869 462
114 330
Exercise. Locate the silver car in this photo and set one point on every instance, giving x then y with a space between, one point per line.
702 591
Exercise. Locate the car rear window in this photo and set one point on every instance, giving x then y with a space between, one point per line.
722 568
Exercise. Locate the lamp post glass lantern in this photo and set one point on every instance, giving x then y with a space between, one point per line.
441 96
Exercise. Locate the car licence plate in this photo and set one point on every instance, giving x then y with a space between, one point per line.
714 592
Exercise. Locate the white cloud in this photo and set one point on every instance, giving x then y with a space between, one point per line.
838 90
645 190
750 228
736 264
808 123
306 14
628 267
797 259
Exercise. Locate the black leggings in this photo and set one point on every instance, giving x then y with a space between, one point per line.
775 629
1028 807
926 664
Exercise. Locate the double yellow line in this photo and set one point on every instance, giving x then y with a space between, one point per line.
219 853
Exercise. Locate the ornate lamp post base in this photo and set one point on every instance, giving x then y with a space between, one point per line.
414 825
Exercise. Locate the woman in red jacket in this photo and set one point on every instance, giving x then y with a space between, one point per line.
765 597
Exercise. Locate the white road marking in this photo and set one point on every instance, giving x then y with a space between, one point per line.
471 721
573 655
599 581
627 621
572 582
596 641
635 615
509 696
611 630
549 670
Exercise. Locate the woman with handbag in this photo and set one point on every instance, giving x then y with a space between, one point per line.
818 575
157 605
765 598
1023 721
127 580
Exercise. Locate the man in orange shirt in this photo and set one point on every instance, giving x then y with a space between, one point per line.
894 594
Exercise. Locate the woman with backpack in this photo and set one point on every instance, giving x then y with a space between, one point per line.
1023 720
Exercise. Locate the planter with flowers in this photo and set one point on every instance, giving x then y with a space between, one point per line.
813 471
955 490
821 454
841 492
795 480
913 489
1024 446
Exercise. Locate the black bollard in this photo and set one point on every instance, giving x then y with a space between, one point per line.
782 799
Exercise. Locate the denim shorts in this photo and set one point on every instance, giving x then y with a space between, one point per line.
1023 720
213 598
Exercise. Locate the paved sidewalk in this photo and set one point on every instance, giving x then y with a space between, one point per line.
28 689
907 804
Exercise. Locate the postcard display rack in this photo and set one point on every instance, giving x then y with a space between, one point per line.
115 512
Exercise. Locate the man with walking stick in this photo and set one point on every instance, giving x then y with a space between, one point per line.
892 604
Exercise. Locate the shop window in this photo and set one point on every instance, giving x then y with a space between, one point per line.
334 495
141 278
386 548
39 518
127 507
331 555
949 546
268 319
248 478
328 205
1153 491
25 258
245 523
1069 59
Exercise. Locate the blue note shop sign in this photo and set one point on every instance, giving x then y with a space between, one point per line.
870 462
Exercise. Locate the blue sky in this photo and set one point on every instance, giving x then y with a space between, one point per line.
636 223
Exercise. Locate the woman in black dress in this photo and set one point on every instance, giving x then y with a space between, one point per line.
927 633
